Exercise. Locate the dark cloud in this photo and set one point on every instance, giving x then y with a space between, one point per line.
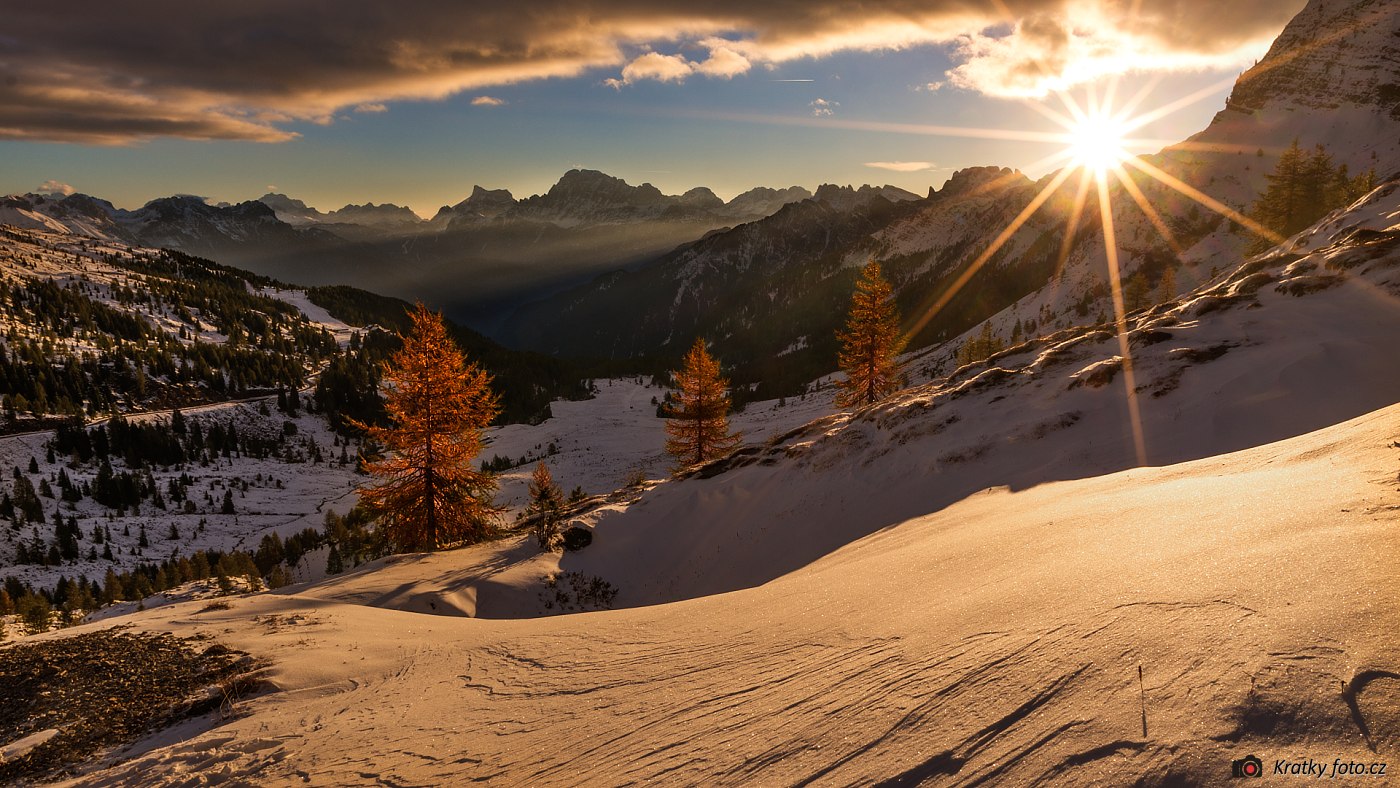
112 72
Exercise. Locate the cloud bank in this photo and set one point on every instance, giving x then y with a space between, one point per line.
115 73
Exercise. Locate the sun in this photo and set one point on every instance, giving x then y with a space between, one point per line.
1096 142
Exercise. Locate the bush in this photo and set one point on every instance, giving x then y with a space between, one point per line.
36 613
571 592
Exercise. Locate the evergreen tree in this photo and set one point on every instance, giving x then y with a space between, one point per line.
1281 206
428 492
334 563
980 347
871 343
698 424
1135 294
547 502
1166 285
1303 188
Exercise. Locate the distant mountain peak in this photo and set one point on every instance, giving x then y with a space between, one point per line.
970 179
848 196
386 215
701 197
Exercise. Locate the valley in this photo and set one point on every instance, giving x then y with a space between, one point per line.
1084 471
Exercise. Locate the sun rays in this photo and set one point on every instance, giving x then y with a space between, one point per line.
1096 136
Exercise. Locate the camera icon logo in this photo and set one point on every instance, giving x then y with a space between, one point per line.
1248 766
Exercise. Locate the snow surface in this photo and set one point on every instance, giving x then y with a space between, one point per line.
995 641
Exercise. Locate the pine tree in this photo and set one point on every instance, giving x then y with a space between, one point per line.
1303 188
697 427
1166 285
871 343
546 502
429 492
1135 295
1281 205
334 563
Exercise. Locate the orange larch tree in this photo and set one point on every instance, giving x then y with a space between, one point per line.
428 492
871 343
698 425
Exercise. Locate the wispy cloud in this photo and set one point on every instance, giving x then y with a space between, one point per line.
822 108
116 73
487 101
901 166
372 107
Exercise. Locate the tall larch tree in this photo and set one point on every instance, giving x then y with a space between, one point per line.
871 342
427 491
697 427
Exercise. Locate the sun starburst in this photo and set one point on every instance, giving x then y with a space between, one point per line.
1097 142
1097 139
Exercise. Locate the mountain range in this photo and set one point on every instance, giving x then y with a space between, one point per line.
598 268
770 294
478 259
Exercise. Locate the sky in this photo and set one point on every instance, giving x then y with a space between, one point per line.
413 103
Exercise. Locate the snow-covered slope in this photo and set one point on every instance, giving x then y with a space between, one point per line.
967 584
996 642
1284 344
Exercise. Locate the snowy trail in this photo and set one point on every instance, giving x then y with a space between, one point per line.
996 641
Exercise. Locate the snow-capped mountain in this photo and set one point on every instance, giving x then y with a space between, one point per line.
291 210
192 225
762 201
1331 78
76 213
186 223
482 204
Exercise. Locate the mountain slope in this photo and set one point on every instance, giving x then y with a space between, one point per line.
1331 78
1286 343
1328 80
478 259
998 641
955 585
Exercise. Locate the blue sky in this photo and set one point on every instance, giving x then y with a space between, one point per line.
426 145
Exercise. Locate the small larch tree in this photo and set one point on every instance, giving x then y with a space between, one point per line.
871 342
546 503
697 426
427 491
